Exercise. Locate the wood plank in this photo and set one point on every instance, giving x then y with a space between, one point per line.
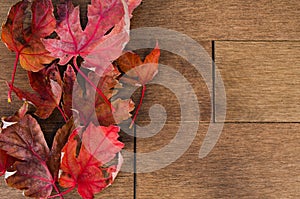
249 161
261 80
223 20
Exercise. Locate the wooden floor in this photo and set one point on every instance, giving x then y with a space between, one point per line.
256 49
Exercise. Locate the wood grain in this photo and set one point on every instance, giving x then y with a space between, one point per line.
249 161
261 80
223 20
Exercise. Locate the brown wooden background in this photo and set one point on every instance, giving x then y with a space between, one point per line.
257 51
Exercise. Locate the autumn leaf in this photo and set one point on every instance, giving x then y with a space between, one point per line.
24 37
139 73
87 170
92 108
47 84
25 142
92 43
74 41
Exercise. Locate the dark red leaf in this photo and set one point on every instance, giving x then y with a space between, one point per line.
25 141
47 84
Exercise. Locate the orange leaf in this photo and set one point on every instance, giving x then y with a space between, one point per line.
24 39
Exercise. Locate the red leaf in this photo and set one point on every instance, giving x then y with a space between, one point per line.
85 170
25 141
47 84
24 39
73 41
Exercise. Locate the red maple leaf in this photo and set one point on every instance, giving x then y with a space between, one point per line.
100 43
87 170
25 38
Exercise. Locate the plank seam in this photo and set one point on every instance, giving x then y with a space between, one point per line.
134 161
213 55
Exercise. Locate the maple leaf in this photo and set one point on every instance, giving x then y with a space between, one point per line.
73 41
99 145
47 84
139 73
92 43
25 142
92 108
24 38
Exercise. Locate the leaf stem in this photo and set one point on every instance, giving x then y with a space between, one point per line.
59 194
92 84
139 106
62 193
13 78
62 113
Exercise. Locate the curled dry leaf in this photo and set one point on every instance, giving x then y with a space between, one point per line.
86 170
60 139
68 84
91 107
47 84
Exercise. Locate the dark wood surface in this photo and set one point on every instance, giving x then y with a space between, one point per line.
256 47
